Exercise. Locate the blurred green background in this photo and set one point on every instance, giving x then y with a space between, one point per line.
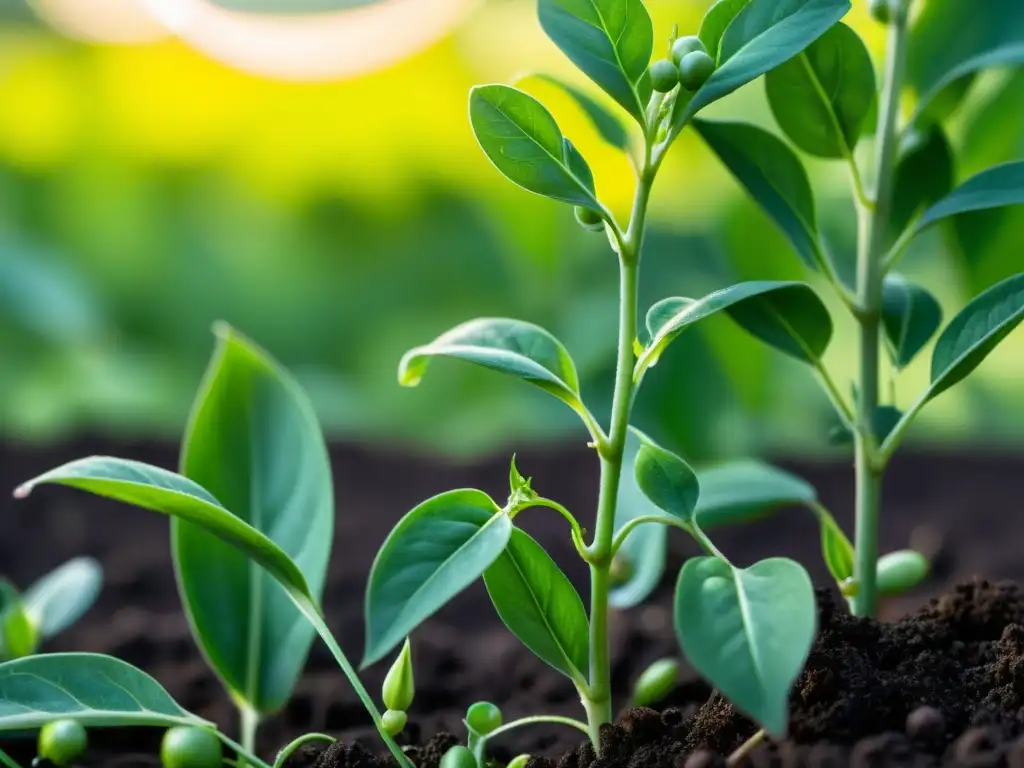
313 181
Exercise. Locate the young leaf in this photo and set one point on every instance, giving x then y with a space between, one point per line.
666 479
606 124
18 634
57 600
786 315
436 551
254 443
744 490
910 315
716 21
642 554
773 176
821 97
507 346
924 174
610 41
836 550
540 606
988 319
525 143
901 570
764 34
93 689
748 631
994 187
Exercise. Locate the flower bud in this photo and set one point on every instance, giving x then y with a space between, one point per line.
399 687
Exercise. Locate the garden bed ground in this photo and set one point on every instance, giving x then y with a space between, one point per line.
958 655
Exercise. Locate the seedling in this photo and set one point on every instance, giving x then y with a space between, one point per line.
46 608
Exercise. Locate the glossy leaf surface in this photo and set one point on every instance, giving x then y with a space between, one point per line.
765 34
748 631
523 141
665 479
57 600
910 316
994 187
716 21
254 443
93 689
786 315
606 124
610 41
773 176
436 551
821 97
744 490
540 606
508 346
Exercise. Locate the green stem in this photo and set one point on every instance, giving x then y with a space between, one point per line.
636 522
293 746
481 745
7 760
250 722
245 757
873 231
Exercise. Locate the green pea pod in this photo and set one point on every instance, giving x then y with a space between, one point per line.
901 570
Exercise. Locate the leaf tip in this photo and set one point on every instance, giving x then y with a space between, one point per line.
23 490
410 374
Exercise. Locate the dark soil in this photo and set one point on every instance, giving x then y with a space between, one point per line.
961 655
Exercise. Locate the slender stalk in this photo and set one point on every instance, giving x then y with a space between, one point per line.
744 749
249 724
873 232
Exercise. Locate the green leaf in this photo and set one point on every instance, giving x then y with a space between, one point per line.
822 96
18 634
924 174
610 41
643 553
607 124
786 315
716 21
436 551
57 600
744 490
765 34
665 479
524 142
910 315
748 631
994 187
254 443
970 336
836 550
540 606
884 421
93 689
507 346
901 570
774 177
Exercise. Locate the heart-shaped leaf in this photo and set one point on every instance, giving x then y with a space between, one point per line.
748 631
924 174
540 606
745 490
970 336
666 479
607 124
773 175
910 315
254 443
610 41
640 561
716 21
994 187
821 97
436 551
507 346
764 34
524 142
93 689
57 600
786 315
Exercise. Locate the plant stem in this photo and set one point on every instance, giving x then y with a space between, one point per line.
873 233
744 749
250 721
597 699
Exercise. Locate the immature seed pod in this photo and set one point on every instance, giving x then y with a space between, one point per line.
664 76
458 757
901 570
881 11
399 688
62 742
483 717
588 218
394 721
655 682
190 747
695 69
684 46
519 761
